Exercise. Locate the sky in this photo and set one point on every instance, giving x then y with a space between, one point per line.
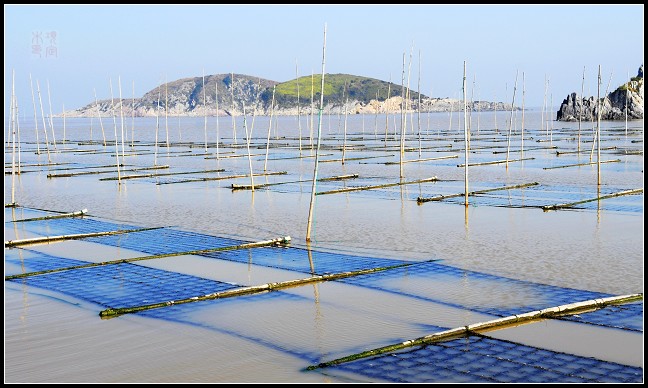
73 51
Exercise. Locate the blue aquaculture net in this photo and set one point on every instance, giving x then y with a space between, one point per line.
473 358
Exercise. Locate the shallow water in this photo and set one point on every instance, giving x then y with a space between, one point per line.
596 246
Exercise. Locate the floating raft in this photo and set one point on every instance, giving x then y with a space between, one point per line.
359 188
572 204
582 164
421 200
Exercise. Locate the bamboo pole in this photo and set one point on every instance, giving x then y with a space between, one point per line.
103 134
580 111
298 112
133 117
581 164
571 204
522 131
508 138
121 116
265 164
356 158
465 139
64 215
345 123
420 200
425 159
233 107
277 241
335 178
217 125
347 189
161 174
166 110
403 120
495 162
40 99
248 290
204 106
418 108
223 177
31 86
67 175
12 128
51 120
47 239
112 107
475 328
386 110
248 148
311 208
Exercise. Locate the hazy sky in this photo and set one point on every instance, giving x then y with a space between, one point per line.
81 48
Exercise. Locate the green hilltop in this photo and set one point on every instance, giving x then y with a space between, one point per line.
337 88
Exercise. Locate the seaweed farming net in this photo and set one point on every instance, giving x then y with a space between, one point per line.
475 358
479 359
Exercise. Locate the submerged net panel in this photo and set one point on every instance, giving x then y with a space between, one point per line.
297 259
488 294
125 285
75 225
165 240
18 261
478 359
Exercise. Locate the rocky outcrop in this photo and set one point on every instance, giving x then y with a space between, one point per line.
627 98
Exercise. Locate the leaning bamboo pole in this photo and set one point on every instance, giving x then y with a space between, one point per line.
248 290
272 103
51 120
358 188
31 86
571 204
277 241
49 239
64 215
420 200
311 208
40 100
103 134
499 323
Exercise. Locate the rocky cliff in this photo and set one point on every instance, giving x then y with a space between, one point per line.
627 98
230 94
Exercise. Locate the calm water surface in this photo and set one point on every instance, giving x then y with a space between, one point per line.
598 246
